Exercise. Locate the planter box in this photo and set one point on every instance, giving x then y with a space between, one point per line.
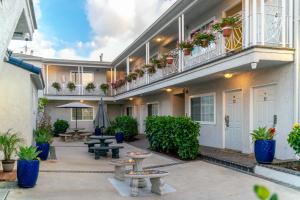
279 173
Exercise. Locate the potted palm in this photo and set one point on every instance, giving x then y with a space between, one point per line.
9 143
71 86
90 87
104 87
187 47
28 167
56 86
264 144
226 26
43 138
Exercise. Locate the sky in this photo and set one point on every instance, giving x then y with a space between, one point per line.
83 29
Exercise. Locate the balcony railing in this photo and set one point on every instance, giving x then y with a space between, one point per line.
79 91
272 29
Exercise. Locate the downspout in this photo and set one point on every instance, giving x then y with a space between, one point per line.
297 59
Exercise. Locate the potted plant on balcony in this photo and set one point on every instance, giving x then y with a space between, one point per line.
264 144
203 39
90 87
139 72
128 78
104 87
71 86
56 86
9 142
226 26
150 69
28 167
169 58
187 47
43 138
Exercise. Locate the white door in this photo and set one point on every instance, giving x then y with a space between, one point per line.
264 112
233 120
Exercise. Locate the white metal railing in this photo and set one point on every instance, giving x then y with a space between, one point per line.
79 91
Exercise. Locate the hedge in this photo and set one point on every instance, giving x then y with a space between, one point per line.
177 135
127 124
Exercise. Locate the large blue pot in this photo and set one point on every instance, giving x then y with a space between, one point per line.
264 151
44 148
119 137
27 172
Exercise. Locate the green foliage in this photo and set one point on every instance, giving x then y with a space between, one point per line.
60 126
42 135
140 72
173 134
9 142
294 139
226 21
263 193
127 124
90 87
186 45
71 86
150 68
262 133
56 86
28 153
43 102
104 87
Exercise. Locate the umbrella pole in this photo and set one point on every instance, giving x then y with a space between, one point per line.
76 116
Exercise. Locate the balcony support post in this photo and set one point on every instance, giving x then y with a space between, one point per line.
179 41
247 24
81 75
290 23
182 39
127 71
254 22
262 22
283 29
296 40
47 79
79 82
147 61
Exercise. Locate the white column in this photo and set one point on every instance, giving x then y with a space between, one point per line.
79 79
262 21
179 40
127 70
115 74
283 22
291 35
147 62
254 22
111 75
296 17
82 89
246 28
47 79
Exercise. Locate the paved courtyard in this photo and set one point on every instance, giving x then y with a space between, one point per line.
76 175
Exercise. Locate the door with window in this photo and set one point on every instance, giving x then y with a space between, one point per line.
233 120
264 106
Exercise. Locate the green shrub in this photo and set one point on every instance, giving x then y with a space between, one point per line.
60 126
294 138
173 134
127 124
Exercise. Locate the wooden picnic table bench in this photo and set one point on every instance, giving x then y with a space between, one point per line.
91 143
102 151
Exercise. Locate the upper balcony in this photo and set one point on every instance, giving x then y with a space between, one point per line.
264 32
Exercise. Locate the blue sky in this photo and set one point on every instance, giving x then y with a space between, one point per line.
83 29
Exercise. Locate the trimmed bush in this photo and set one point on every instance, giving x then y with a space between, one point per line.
60 126
177 135
127 124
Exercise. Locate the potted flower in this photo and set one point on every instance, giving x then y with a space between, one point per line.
169 59
119 135
294 138
56 86
9 143
150 69
90 87
226 26
104 87
128 78
187 47
264 144
139 72
203 39
28 167
71 86
43 138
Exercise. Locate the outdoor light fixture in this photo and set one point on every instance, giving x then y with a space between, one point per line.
169 90
253 65
159 39
130 99
81 101
130 59
228 75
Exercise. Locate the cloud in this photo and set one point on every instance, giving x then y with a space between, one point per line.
114 25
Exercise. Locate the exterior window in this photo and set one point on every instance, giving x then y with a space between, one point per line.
84 114
203 108
153 109
87 77
129 111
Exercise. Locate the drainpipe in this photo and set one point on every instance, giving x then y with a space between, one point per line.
297 59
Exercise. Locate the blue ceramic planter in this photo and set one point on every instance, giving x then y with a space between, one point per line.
27 173
44 148
119 137
264 151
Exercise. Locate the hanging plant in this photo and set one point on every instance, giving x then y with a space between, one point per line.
71 86
139 72
226 26
187 47
104 87
56 86
203 39
90 87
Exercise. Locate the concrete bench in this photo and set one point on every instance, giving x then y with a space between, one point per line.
155 176
120 168
85 136
91 143
102 151
66 137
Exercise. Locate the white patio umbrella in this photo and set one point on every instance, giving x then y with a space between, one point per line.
101 119
75 105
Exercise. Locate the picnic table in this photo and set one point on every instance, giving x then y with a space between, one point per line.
102 139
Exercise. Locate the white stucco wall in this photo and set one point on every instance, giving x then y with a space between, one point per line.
212 135
18 101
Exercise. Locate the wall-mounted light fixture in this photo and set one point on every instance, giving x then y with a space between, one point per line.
253 65
81 101
228 75
169 90
158 39
130 99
